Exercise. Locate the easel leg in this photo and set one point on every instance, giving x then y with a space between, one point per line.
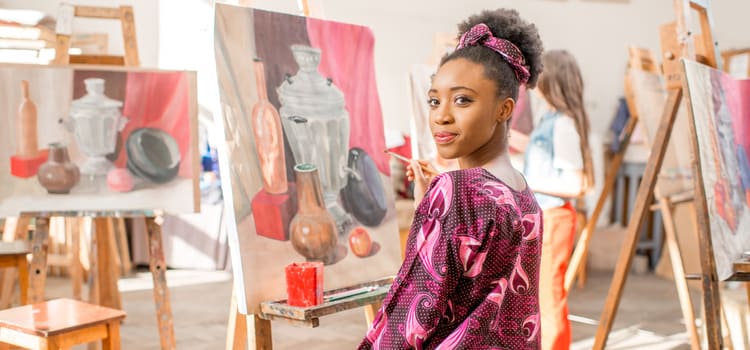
93 280
744 325
23 279
109 295
580 252
121 236
38 267
76 270
237 327
161 292
581 273
370 312
259 332
86 237
645 194
728 344
114 251
15 229
678 270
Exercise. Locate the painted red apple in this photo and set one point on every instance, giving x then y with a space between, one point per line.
360 242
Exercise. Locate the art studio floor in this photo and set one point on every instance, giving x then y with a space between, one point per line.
649 316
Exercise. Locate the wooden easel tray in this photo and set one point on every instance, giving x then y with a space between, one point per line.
741 271
335 300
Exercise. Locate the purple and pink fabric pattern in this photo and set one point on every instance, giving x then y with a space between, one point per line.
480 34
471 273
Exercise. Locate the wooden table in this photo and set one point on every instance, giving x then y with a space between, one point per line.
60 324
105 291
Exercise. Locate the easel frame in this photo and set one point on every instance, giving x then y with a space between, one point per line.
677 43
104 290
65 30
575 265
643 60
728 55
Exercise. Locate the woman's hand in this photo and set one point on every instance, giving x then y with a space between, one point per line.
422 173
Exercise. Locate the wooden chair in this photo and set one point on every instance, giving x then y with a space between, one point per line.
60 324
13 254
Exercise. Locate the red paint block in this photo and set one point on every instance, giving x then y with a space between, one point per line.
304 284
273 213
27 167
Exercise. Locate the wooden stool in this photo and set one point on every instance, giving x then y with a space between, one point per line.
13 254
60 324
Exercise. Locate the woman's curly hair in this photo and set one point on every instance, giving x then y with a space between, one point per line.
506 24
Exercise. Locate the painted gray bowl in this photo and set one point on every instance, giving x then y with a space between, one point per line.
153 155
364 194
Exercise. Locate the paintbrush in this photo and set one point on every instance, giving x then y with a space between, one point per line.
407 161
349 293
398 156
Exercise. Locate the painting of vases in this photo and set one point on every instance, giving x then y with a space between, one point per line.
304 147
718 112
104 139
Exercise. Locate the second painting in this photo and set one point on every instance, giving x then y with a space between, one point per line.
304 130
97 139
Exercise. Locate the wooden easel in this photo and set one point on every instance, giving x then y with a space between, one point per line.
65 30
729 56
677 43
258 332
576 266
666 204
104 291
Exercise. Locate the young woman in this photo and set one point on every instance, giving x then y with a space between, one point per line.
470 277
557 165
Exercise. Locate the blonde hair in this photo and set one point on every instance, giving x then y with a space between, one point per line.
561 85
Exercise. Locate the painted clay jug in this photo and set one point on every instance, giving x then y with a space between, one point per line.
313 230
58 175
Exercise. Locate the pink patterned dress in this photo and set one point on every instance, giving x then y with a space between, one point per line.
471 274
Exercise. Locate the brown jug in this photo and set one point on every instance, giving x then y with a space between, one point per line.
58 175
313 230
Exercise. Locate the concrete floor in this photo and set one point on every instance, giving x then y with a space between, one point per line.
649 316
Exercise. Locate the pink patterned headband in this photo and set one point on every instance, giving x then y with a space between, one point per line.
480 34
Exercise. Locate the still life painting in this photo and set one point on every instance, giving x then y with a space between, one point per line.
80 139
304 147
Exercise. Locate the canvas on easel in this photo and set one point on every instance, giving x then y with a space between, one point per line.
97 157
304 142
720 106
649 94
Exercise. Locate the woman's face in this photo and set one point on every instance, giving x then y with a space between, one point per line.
466 115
